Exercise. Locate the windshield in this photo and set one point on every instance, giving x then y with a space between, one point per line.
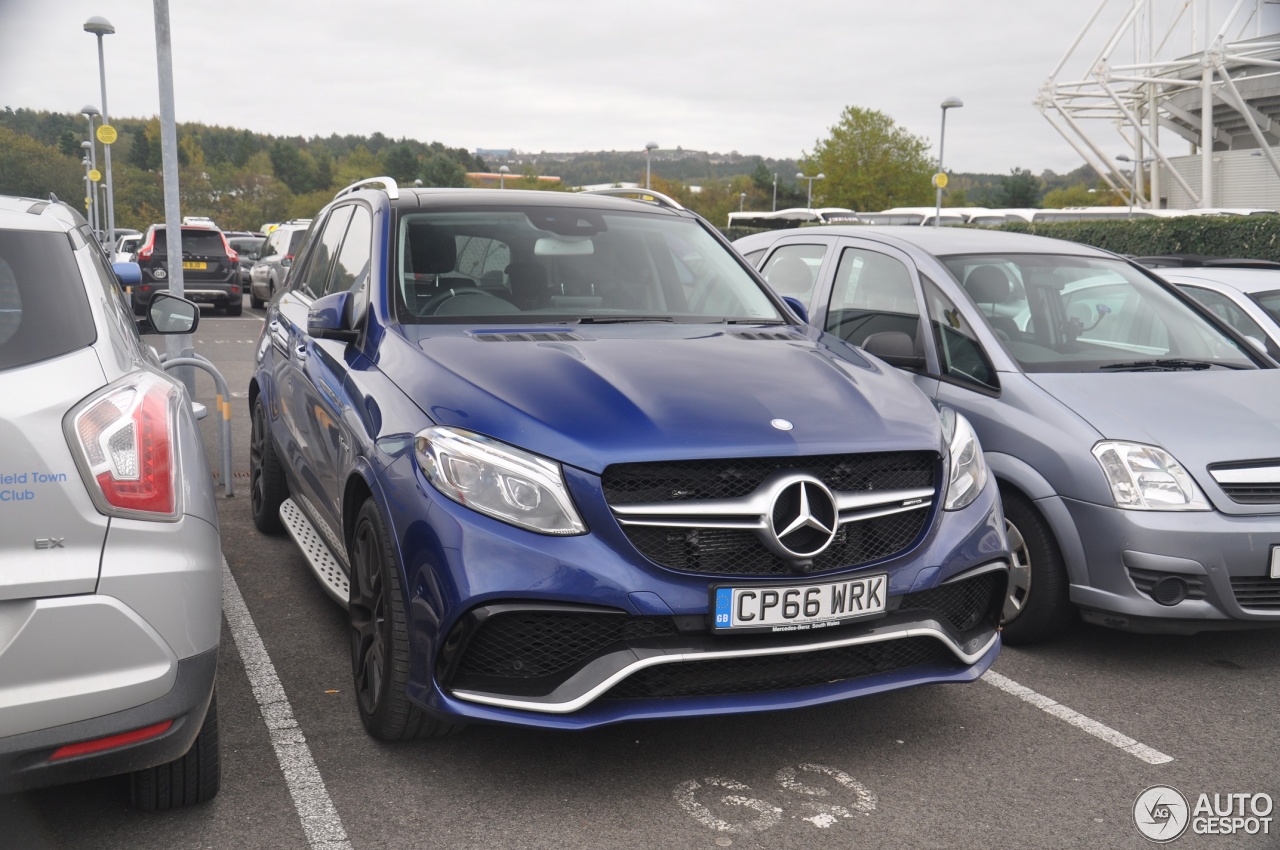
1080 314
541 264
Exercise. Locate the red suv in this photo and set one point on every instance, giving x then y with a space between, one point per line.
210 268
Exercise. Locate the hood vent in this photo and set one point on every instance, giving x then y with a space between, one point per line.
767 335
537 336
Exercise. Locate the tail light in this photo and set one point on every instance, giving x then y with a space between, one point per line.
144 253
232 254
124 442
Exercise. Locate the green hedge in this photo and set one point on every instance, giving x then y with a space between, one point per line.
1254 237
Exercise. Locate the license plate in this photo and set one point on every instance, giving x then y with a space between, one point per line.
189 264
800 607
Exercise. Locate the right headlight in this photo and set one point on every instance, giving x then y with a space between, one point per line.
1147 478
498 480
967 468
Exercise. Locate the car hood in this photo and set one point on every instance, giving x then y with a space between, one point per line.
670 392
1201 418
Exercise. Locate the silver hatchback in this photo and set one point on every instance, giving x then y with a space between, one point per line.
1133 434
110 563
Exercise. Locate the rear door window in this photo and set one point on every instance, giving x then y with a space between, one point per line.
792 270
873 293
44 311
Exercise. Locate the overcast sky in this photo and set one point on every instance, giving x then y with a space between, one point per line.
758 77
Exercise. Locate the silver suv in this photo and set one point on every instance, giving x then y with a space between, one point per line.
267 276
110 599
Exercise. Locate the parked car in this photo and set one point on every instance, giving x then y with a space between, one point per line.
568 462
1132 434
248 248
210 268
110 591
1248 299
267 277
126 247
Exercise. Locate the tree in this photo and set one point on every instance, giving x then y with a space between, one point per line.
34 170
401 164
1021 190
291 168
870 163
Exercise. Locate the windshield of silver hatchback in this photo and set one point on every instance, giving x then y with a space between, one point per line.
555 265
1080 314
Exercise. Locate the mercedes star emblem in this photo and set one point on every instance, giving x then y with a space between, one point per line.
804 519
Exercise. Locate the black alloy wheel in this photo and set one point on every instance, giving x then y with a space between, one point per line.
267 486
379 637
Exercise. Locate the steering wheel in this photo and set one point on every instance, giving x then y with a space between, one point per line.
435 302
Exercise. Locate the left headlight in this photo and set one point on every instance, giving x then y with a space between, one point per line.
967 467
1147 478
498 480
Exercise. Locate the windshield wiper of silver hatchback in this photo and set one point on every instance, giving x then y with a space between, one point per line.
616 320
1171 364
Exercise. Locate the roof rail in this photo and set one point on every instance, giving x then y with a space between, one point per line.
393 190
638 194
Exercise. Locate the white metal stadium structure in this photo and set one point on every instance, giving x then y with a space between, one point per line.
1192 87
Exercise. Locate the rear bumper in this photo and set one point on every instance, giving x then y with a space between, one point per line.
24 758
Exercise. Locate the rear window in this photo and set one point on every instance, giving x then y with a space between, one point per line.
195 241
44 311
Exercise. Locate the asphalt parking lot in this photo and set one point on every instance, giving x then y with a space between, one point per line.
1051 750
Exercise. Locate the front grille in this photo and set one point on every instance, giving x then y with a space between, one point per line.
962 604
632 483
532 644
730 552
737 552
1255 592
779 672
1252 494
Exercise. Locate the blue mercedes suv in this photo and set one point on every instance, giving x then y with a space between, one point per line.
568 461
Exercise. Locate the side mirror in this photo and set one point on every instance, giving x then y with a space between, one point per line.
797 307
169 314
330 318
895 348
286 262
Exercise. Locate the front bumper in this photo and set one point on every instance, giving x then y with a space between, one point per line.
1221 561
464 569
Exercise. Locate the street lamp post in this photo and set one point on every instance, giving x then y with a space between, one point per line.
775 191
648 151
1133 181
940 179
100 26
502 177
88 189
89 111
742 201
818 176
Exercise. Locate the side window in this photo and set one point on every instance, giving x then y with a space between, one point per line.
352 269
1227 310
793 269
314 279
753 257
873 294
960 355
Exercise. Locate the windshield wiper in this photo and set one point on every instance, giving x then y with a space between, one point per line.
617 320
1171 364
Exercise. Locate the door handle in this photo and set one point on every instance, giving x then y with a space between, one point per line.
301 351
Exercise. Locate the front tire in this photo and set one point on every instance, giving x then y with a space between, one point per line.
1038 607
188 780
379 637
267 486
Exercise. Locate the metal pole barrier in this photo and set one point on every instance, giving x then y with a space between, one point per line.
223 403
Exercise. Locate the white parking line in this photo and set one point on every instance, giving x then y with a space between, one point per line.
1075 718
320 821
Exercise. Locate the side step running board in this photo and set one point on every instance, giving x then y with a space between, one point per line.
326 567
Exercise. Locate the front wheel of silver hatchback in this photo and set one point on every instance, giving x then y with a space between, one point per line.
1038 606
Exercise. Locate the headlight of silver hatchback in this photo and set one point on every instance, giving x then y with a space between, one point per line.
1147 478
967 468
498 480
